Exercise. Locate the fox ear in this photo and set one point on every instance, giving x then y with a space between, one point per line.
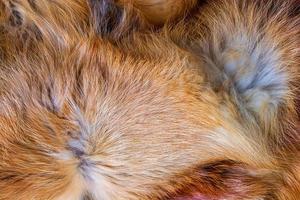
114 21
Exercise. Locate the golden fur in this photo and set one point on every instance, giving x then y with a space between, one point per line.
109 100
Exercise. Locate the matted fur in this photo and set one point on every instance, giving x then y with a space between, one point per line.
97 102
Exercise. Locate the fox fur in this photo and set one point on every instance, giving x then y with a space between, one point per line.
151 100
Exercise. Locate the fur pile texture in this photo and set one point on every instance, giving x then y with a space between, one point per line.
150 100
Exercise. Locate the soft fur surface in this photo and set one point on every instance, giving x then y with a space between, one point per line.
154 99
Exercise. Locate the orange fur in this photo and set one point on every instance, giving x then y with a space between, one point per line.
96 104
159 12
